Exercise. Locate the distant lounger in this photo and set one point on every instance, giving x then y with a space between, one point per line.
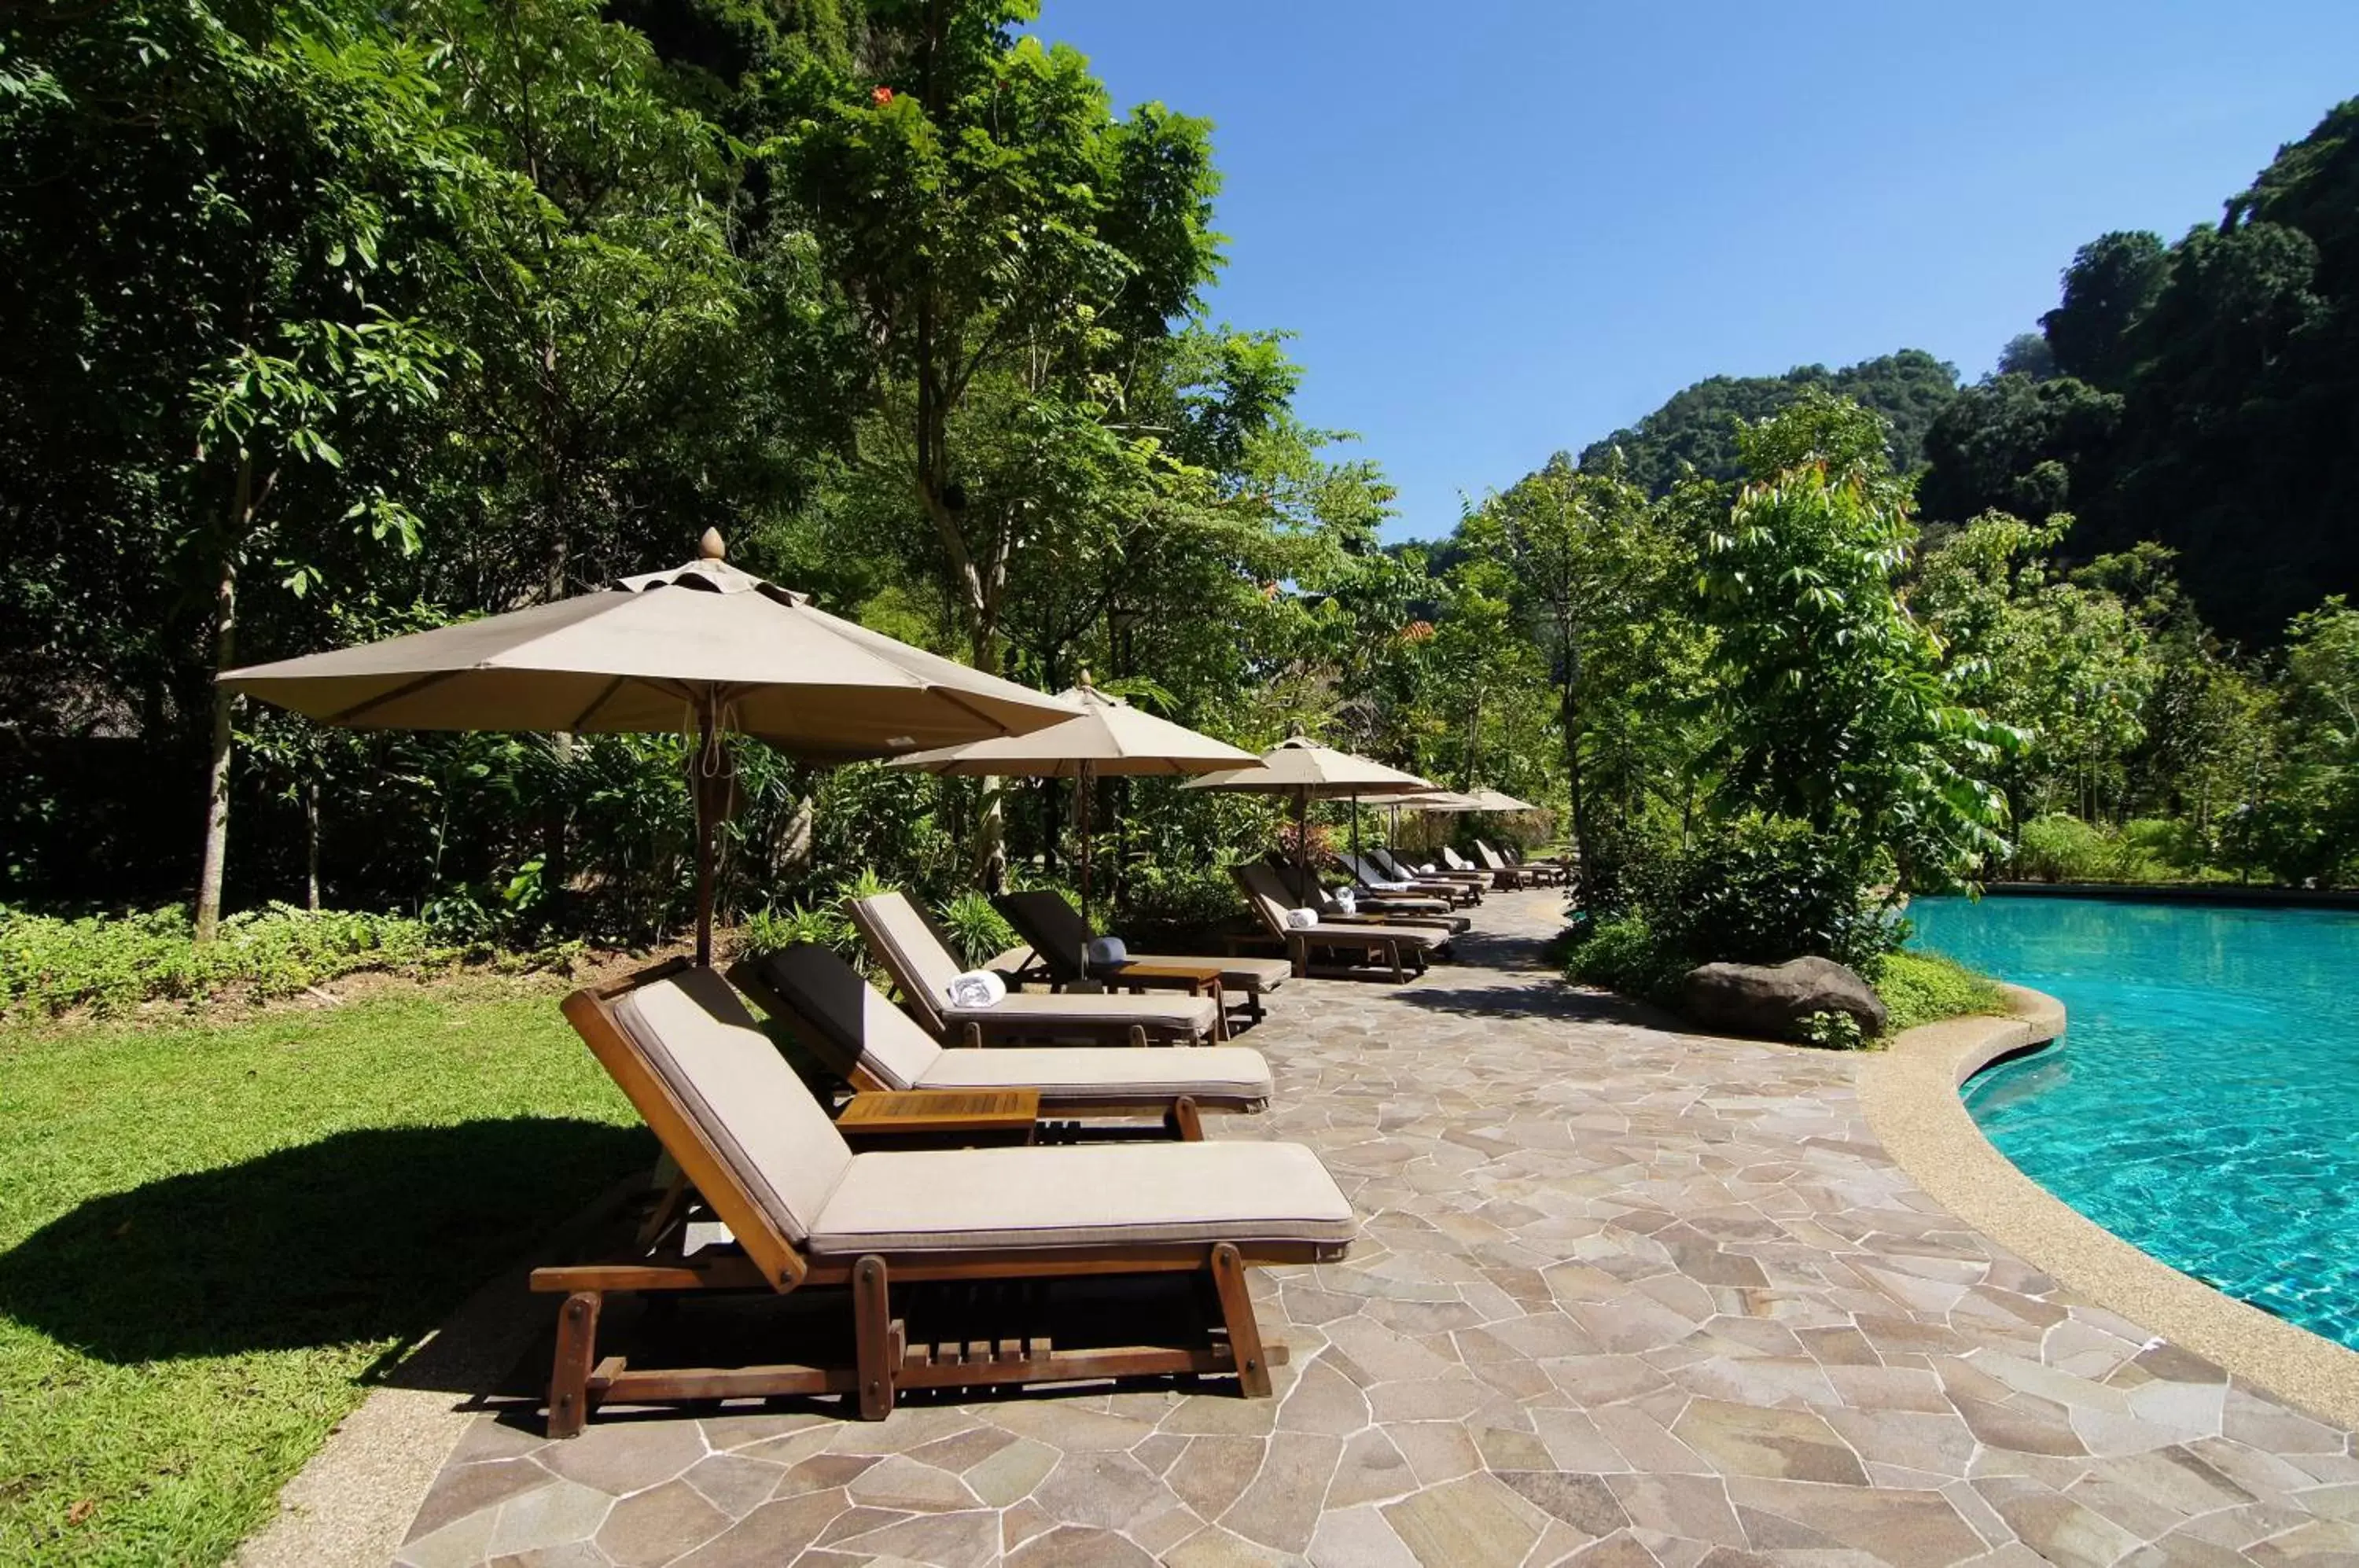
1432 914
1470 877
1369 875
1403 950
1058 940
922 964
1503 875
872 1045
1002 1225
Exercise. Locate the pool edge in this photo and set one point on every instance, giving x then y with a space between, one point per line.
1910 1095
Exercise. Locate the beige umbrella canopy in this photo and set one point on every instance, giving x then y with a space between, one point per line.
703 648
1302 767
1109 738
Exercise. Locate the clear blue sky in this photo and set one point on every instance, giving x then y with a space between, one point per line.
1501 227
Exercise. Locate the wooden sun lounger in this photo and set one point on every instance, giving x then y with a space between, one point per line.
1059 938
1504 876
1468 878
1401 949
919 960
874 1047
803 1213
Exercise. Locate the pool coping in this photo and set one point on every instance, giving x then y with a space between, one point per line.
1911 1096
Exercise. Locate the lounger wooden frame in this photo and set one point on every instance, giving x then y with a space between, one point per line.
766 1258
1182 1114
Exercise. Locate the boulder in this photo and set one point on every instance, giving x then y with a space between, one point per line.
1771 1000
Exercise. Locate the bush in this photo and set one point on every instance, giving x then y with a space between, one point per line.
1764 890
977 932
1159 900
1925 987
107 963
1623 954
774 930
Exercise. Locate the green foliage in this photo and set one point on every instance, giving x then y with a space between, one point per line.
1925 987
1623 954
977 932
1696 430
2204 401
1762 890
1833 702
1833 1032
766 932
106 964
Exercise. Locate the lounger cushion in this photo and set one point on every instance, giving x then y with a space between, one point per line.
1169 1014
1408 936
909 948
775 1137
852 1023
1229 1074
1087 1195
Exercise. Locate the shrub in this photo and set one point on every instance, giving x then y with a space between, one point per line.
1175 900
977 932
108 962
2062 848
1925 987
1764 890
1623 954
773 930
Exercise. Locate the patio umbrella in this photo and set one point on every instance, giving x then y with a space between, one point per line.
703 649
1109 738
1302 767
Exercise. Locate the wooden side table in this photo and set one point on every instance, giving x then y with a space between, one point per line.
1196 979
940 1118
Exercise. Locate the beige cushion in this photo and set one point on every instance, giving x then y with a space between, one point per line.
1232 1075
773 1136
1169 1014
909 947
1408 936
1089 1194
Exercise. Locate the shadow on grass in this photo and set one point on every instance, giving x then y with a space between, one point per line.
362 1235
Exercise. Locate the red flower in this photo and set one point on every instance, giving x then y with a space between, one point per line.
880 96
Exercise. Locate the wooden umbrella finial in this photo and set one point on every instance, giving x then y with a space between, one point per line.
709 546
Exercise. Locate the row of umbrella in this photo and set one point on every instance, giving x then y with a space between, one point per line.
707 651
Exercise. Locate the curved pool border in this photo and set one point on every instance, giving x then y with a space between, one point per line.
1912 1097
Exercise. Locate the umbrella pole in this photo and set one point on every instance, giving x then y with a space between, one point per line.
1081 819
1356 824
1302 836
707 787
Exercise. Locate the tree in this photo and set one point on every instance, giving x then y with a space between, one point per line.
1591 563
1697 426
1834 707
2113 282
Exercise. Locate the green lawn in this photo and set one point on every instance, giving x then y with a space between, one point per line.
213 1237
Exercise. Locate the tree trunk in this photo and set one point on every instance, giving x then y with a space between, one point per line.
217 769
312 844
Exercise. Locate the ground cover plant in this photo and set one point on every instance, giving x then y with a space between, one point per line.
213 1236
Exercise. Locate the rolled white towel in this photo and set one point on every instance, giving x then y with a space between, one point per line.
1383 884
977 988
1301 919
1106 950
1347 900
1426 868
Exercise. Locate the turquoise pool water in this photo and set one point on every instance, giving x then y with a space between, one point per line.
2204 1102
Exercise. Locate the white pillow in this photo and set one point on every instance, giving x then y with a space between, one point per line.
1301 919
1426 868
977 988
1107 951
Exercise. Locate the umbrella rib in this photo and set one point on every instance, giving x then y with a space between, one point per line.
582 719
406 688
941 691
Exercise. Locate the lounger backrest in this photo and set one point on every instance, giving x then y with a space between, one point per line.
1263 891
1490 857
1451 858
1384 861
841 1017
1053 926
906 945
771 1135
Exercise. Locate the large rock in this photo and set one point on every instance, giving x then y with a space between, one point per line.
1772 999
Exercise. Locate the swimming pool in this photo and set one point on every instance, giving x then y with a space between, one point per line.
2204 1101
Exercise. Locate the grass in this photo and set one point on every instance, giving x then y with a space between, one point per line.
1925 987
213 1237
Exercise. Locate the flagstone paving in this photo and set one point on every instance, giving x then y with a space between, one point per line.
1622 1297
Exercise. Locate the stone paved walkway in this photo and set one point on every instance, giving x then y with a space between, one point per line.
1622 1297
